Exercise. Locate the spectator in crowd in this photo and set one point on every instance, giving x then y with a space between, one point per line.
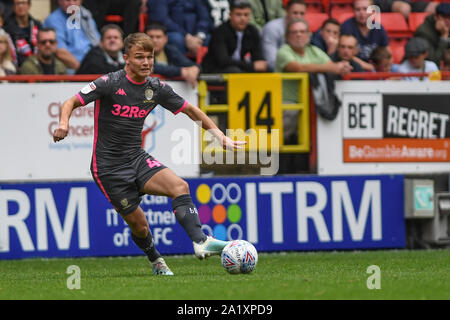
381 59
7 6
23 29
445 61
327 37
235 46
264 11
219 10
273 33
2 14
3 32
435 30
169 61
368 38
188 22
76 33
405 7
416 52
346 51
128 9
6 65
45 61
107 56
445 64
298 55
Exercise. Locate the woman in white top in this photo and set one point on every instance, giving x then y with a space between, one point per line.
6 64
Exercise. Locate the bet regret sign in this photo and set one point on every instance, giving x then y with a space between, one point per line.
388 127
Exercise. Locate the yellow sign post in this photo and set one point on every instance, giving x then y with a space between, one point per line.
255 107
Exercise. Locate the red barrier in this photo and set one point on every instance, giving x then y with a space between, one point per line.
386 75
91 77
50 78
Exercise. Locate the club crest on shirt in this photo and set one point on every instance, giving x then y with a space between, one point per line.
148 95
88 88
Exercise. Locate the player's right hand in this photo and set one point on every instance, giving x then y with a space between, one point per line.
60 133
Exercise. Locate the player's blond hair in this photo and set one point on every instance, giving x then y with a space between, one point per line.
138 39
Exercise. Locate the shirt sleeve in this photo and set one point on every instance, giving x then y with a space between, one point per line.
168 13
318 41
284 56
94 90
346 27
430 66
170 100
52 22
321 56
384 37
269 44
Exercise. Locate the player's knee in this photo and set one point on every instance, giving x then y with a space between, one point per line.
140 231
182 187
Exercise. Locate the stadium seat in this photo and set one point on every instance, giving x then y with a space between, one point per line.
315 20
343 16
114 18
338 9
326 6
340 4
397 47
415 19
395 25
118 19
143 18
314 6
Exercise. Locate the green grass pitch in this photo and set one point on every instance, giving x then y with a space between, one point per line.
279 276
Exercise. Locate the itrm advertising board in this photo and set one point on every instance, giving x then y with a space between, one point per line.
74 219
387 127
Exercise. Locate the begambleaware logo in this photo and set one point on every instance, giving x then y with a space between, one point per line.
219 210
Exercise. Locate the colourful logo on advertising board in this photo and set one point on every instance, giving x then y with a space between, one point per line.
219 210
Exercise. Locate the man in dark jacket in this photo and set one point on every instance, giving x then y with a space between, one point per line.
169 61
346 51
23 29
7 4
235 46
187 21
127 9
327 37
435 30
106 57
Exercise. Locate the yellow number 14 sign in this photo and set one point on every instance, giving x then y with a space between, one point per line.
255 109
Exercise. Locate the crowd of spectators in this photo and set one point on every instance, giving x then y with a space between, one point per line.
218 36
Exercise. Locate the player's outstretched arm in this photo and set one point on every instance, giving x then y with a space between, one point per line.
197 115
64 115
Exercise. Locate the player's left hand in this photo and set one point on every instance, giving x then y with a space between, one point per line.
230 144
